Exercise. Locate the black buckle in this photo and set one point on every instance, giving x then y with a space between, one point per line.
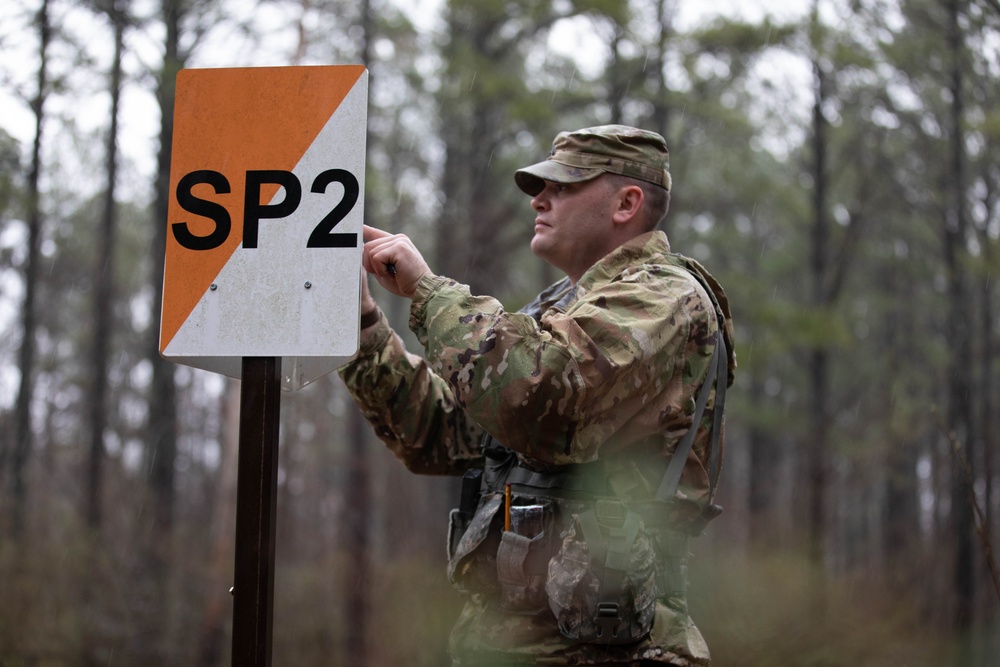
607 619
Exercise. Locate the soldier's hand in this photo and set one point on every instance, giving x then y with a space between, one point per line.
367 302
394 261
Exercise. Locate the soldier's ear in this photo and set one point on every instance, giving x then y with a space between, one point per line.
628 203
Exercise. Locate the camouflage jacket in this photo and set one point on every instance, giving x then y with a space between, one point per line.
606 370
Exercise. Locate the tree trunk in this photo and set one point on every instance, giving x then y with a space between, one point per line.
358 518
357 522
901 510
617 78
161 443
764 462
988 388
959 382
986 392
103 296
151 597
450 232
104 275
26 361
661 108
817 446
218 602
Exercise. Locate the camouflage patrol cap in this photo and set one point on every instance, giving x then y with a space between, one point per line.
607 149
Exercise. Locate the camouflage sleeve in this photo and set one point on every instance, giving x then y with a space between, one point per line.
411 409
620 366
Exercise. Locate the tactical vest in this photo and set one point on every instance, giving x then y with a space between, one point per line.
560 540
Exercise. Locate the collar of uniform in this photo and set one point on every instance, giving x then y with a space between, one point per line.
555 295
640 248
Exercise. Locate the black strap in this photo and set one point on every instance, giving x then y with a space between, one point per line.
573 481
610 530
718 415
717 376
583 478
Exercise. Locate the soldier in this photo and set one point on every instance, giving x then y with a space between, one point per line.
572 538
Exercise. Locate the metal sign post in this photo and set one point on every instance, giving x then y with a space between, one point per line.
256 495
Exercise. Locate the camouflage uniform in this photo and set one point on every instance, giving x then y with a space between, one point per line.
600 376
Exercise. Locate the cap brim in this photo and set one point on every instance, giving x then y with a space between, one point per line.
532 179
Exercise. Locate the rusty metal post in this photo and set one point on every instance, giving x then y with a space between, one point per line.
256 496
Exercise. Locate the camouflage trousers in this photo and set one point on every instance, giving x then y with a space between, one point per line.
483 636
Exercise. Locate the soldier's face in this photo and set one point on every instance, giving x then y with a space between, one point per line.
572 225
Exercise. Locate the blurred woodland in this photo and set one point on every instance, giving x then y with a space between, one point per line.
836 167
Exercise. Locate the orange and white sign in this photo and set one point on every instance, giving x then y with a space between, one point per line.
264 229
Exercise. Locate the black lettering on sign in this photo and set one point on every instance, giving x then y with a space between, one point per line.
203 207
253 210
323 236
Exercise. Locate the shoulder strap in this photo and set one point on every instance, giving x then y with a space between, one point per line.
717 376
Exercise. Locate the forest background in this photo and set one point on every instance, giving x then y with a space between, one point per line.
836 165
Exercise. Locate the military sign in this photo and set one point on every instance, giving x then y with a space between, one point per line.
264 229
